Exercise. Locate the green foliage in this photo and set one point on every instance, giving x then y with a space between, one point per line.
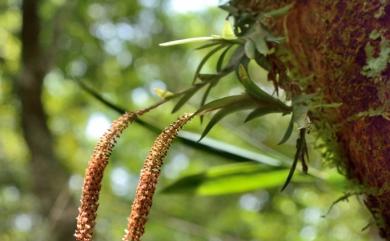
190 40
300 154
279 11
254 42
263 99
288 132
231 178
259 112
226 110
187 95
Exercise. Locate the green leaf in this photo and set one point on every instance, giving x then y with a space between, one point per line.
258 93
229 179
289 131
230 9
163 94
215 119
228 32
301 151
330 105
263 62
186 96
275 39
236 58
251 87
291 172
280 11
250 49
261 45
223 102
208 77
210 44
221 59
231 152
208 145
224 112
189 40
205 95
204 60
259 112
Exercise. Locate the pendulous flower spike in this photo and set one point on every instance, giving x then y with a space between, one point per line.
93 177
148 179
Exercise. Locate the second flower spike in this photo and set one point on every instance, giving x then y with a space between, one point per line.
149 178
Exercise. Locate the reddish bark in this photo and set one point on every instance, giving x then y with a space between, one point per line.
328 40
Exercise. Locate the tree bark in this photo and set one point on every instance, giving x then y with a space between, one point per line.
334 41
49 178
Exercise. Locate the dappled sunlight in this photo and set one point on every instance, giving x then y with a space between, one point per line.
97 124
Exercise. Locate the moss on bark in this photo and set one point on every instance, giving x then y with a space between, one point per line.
344 47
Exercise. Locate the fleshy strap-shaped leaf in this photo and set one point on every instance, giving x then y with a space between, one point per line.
300 154
189 40
223 113
222 58
280 11
259 112
258 93
230 179
223 102
186 96
288 132
204 60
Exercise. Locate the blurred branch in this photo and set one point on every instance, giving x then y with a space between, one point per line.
100 98
191 139
62 13
48 176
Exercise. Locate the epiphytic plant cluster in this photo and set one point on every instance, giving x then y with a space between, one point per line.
248 40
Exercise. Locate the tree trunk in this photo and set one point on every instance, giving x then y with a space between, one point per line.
345 46
49 180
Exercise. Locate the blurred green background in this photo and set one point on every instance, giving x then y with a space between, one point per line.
112 46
